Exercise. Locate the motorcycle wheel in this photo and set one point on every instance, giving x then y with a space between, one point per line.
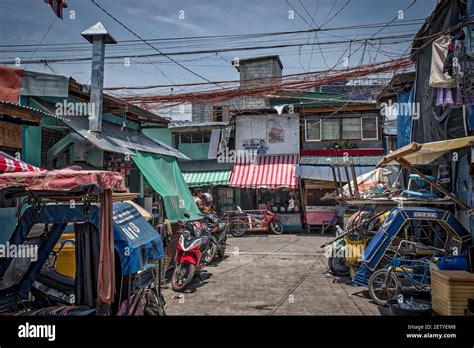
187 272
238 228
210 253
276 227
221 250
381 289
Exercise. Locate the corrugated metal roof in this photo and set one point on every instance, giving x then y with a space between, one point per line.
115 139
23 107
185 124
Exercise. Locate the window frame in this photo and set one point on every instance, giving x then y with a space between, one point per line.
360 128
338 120
306 121
376 128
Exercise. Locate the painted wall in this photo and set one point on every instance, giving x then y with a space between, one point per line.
161 134
195 151
31 151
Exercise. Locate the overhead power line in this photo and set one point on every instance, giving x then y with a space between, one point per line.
148 44
392 40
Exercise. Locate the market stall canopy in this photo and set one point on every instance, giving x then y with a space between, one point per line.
415 153
9 164
270 172
164 175
214 178
324 173
68 179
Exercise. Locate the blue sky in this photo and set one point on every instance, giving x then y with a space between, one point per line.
26 22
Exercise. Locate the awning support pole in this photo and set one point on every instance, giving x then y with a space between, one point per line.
407 165
354 179
335 180
348 179
339 178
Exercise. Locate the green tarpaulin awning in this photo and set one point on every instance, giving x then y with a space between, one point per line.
164 175
196 179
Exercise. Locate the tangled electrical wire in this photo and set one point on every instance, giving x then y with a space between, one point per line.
261 87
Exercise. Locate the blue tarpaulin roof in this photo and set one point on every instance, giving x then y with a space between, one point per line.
136 241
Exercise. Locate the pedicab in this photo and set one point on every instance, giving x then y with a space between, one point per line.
430 227
346 250
402 274
116 250
243 221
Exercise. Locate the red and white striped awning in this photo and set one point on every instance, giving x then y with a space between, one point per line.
270 172
10 165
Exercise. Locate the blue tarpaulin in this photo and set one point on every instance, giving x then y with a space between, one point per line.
405 117
136 241
470 117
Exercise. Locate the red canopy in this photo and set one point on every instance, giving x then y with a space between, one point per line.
9 165
63 180
270 172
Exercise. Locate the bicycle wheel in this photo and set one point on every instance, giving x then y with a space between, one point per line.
383 286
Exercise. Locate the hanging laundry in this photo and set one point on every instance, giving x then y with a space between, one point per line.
448 63
454 97
439 78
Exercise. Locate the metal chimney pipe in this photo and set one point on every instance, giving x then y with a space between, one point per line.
98 36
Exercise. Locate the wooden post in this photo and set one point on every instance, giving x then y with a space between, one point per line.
354 180
407 165
339 177
346 170
335 180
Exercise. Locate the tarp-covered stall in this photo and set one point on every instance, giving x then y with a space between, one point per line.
164 175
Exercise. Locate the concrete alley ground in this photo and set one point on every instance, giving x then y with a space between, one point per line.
272 275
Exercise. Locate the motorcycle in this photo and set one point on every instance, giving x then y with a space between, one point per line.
191 254
218 230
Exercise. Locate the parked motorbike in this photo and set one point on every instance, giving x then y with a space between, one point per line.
191 254
218 230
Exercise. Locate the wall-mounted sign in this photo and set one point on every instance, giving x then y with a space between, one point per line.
268 134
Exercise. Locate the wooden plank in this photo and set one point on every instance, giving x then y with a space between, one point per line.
10 135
